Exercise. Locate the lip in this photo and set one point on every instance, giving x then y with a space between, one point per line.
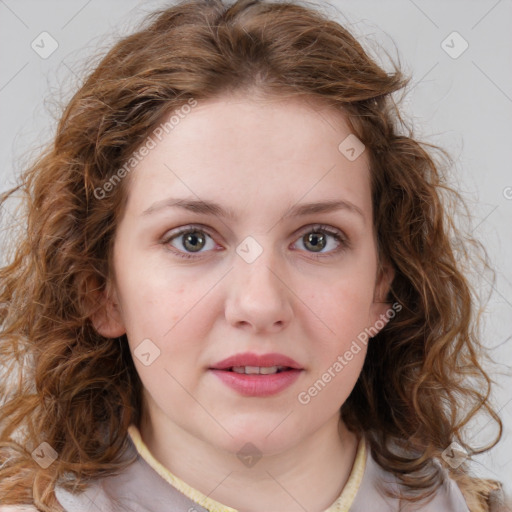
257 385
252 359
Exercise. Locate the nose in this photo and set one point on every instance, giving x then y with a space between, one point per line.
258 297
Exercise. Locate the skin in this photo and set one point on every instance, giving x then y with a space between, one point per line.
259 158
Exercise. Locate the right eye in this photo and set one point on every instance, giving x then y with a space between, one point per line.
187 241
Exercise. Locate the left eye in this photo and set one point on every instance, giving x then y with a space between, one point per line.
315 239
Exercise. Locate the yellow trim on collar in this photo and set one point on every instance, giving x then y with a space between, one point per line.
191 493
348 494
342 504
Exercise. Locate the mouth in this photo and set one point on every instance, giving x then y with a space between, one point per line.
257 375
258 370
258 384
252 364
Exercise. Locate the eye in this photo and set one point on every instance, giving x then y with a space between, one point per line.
317 238
188 241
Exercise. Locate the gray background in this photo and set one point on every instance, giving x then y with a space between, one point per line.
461 102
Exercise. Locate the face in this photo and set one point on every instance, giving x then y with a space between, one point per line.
258 273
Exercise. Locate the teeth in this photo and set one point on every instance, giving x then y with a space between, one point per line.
269 370
252 370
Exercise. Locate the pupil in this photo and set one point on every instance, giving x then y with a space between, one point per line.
313 240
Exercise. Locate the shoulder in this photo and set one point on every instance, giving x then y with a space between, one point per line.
372 494
485 495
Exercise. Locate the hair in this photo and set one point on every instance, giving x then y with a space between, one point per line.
423 378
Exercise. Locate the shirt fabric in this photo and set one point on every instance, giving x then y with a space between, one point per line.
147 486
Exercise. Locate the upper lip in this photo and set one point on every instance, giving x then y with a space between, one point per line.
260 360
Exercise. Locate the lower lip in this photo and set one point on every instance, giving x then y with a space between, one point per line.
257 385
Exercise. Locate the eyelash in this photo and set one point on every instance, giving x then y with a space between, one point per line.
317 228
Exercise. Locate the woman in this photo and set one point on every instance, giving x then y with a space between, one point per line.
237 289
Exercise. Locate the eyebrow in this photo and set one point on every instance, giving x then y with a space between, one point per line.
212 208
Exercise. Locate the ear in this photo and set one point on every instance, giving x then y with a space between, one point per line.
107 319
378 318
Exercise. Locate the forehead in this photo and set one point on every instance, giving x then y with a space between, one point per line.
252 152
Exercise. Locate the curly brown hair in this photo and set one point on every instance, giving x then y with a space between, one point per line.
65 384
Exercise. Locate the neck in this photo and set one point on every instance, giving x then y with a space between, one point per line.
309 476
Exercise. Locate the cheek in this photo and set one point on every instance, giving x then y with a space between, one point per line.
337 351
344 303
338 317
170 310
152 296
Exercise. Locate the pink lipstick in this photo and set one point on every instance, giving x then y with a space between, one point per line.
257 375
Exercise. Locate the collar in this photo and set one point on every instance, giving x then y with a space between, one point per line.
342 503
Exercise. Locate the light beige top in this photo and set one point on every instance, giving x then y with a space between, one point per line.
147 486
342 504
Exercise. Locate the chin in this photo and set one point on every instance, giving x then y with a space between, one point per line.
257 438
